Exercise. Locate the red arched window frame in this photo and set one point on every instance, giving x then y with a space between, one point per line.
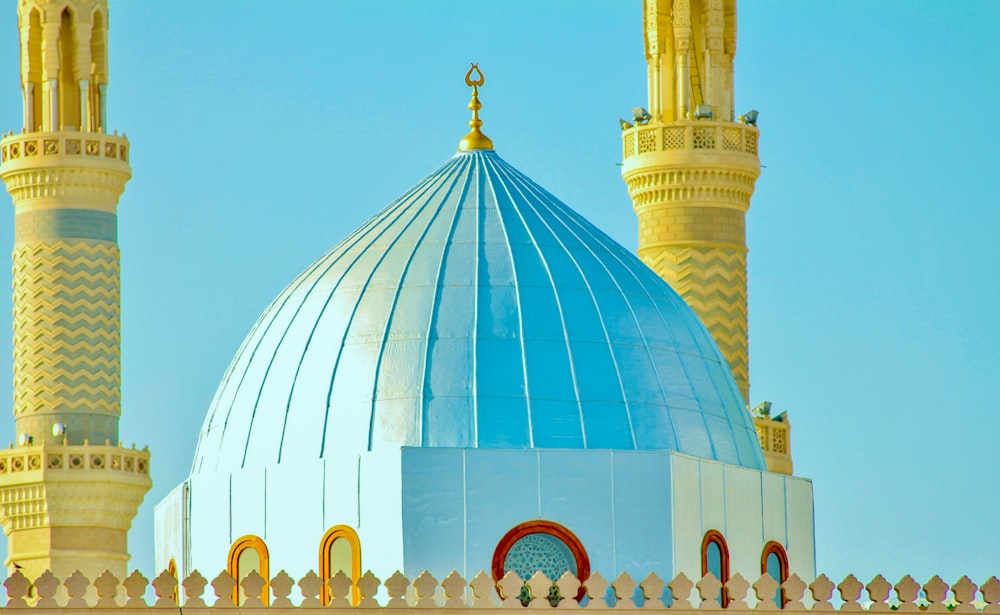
555 530
241 545
776 549
716 537
331 535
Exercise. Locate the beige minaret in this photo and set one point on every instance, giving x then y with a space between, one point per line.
68 490
690 167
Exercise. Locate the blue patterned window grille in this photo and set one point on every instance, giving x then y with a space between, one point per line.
543 552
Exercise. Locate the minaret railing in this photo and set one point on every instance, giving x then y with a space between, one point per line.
696 135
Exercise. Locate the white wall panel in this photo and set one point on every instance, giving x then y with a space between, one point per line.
773 488
744 521
713 497
501 492
576 492
294 517
340 489
210 523
686 507
169 529
801 531
381 527
643 541
248 487
433 509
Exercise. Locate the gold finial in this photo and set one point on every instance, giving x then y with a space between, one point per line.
475 139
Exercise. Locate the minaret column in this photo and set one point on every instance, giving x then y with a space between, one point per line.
691 177
68 490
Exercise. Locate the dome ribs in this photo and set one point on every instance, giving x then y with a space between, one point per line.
448 189
478 311
495 181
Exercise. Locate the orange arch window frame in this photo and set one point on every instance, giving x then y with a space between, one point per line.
716 537
775 548
241 545
550 528
325 573
172 571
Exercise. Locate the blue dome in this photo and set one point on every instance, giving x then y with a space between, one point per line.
477 310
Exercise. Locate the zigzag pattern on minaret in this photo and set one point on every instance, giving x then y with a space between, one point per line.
66 327
713 282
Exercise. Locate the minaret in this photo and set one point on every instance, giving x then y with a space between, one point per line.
690 167
68 490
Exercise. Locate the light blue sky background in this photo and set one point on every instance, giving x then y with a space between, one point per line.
264 132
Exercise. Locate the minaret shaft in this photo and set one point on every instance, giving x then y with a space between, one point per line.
68 493
690 169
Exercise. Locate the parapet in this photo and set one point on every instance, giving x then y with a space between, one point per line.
484 594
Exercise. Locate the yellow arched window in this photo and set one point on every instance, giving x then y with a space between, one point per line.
172 571
247 554
339 551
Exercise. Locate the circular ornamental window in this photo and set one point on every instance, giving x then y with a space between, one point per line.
540 546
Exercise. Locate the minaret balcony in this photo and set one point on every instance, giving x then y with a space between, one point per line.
35 462
85 491
689 142
63 148
52 170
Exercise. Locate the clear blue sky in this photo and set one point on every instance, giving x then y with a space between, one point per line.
264 132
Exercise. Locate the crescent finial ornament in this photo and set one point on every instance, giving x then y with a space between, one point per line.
476 81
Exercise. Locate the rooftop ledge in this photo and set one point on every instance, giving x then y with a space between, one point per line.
691 138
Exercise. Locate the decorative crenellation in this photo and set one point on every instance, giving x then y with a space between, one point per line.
699 135
510 592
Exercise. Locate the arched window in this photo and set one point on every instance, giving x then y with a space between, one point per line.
339 551
715 559
172 571
33 84
98 75
247 554
69 91
541 545
774 562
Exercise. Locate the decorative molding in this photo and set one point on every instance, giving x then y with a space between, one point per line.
738 140
89 168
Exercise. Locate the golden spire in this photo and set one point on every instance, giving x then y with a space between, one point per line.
475 140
